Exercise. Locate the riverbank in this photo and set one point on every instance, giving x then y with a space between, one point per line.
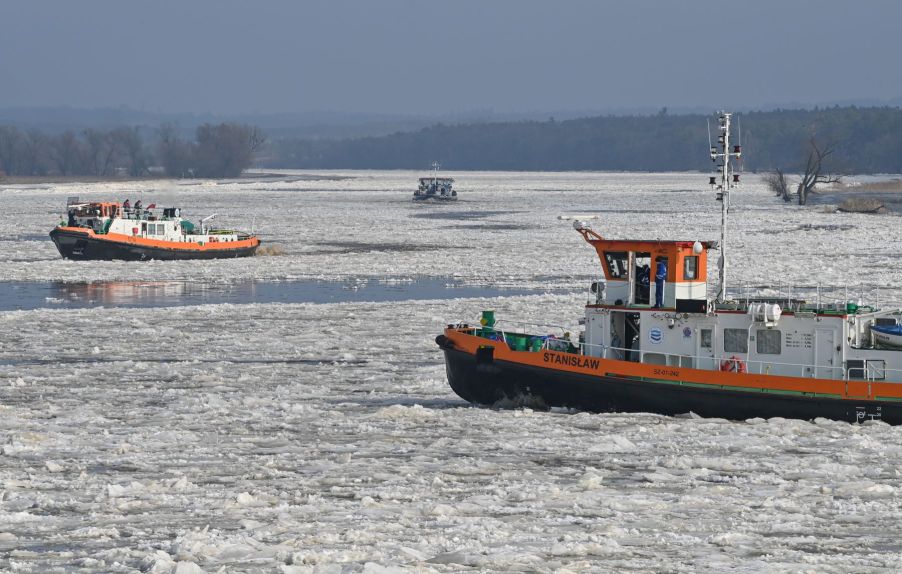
877 197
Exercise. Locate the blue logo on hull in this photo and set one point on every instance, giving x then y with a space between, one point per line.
656 336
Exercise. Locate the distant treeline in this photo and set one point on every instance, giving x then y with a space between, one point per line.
866 140
222 150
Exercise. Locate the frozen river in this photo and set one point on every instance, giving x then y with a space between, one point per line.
322 437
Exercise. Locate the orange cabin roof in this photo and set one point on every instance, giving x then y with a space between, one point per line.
612 254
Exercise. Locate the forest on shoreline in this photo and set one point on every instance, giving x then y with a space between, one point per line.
865 140
215 151
861 139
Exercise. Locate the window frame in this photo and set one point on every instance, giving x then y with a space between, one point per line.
731 338
610 257
694 260
763 335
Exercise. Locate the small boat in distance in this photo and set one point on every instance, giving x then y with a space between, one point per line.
109 230
435 187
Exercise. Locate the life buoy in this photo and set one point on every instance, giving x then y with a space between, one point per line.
733 365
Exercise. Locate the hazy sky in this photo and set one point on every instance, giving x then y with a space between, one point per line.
422 56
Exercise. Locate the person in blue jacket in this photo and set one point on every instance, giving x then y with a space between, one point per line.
660 278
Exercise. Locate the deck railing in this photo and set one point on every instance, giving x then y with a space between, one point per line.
757 366
504 322
711 362
795 298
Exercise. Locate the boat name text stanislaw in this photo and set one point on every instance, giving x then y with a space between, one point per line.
572 360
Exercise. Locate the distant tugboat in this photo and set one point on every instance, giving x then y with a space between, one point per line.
435 187
108 230
655 342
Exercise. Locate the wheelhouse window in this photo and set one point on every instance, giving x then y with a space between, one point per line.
617 264
690 267
768 342
735 341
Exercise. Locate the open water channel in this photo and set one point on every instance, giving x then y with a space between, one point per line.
27 295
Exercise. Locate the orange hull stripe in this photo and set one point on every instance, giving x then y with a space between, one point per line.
183 246
739 381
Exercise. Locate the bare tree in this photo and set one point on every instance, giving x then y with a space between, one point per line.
256 138
222 150
130 146
68 153
35 156
99 150
176 155
815 171
776 182
225 150
10 146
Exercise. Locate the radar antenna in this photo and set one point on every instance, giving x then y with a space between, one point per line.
728 180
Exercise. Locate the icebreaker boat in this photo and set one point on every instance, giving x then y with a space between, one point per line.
109 230
435 187
654 340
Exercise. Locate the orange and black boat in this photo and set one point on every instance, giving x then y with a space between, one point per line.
109 230
653 341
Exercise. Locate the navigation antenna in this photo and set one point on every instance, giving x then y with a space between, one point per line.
435 167
728 180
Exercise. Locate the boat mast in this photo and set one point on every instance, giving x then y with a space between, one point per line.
728 180
435 166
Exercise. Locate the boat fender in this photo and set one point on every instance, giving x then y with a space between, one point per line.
733 365
444 342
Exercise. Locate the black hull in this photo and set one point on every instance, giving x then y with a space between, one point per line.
78 246
498 383
434 198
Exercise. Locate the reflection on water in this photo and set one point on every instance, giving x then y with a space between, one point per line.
121 294
36 295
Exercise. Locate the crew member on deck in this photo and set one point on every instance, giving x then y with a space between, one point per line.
660 277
